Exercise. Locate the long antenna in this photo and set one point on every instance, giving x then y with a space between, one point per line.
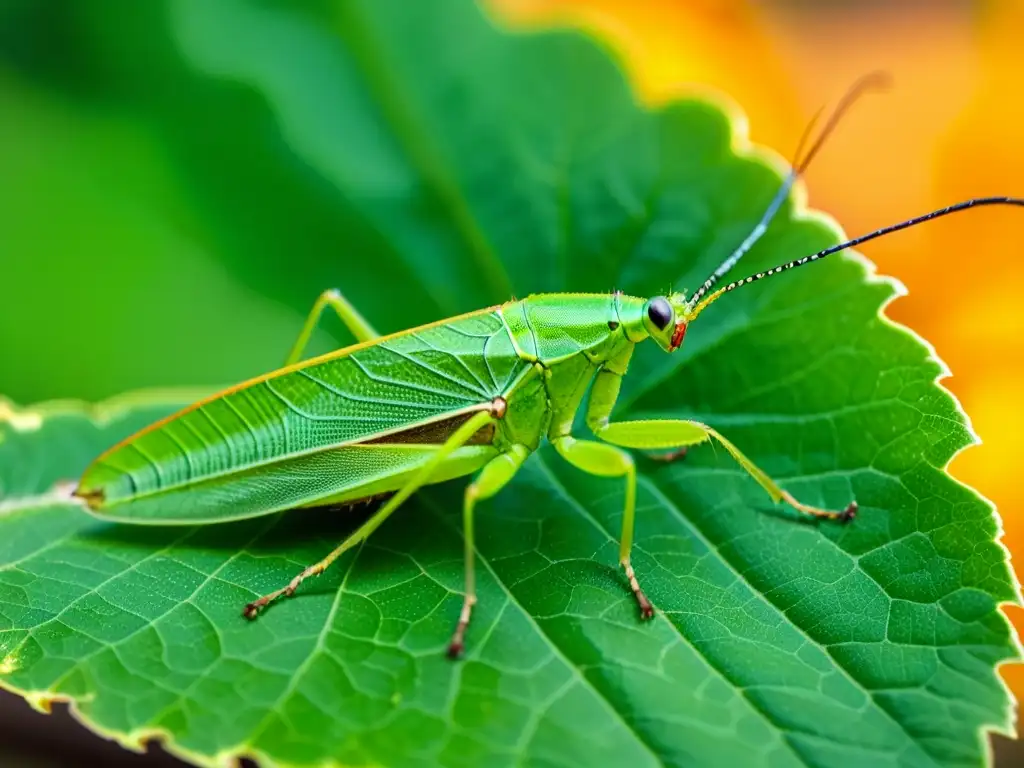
851 243
873 81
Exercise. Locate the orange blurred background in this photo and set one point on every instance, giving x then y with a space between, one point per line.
950 128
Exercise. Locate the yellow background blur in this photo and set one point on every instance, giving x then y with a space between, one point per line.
949 129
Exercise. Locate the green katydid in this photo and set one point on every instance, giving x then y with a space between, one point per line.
476 393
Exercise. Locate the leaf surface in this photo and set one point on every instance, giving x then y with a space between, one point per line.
465 164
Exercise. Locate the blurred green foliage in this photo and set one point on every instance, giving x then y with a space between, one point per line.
158 226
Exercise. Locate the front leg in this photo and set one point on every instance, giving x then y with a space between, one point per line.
661 434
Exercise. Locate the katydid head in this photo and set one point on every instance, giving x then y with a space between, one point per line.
665 319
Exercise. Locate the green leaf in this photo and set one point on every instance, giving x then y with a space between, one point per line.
426 164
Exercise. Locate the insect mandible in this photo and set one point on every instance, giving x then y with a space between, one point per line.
472 394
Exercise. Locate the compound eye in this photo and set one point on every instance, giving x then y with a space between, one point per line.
660 312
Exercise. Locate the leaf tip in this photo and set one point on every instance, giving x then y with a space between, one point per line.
42 702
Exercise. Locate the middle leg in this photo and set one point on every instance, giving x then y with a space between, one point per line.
608 461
